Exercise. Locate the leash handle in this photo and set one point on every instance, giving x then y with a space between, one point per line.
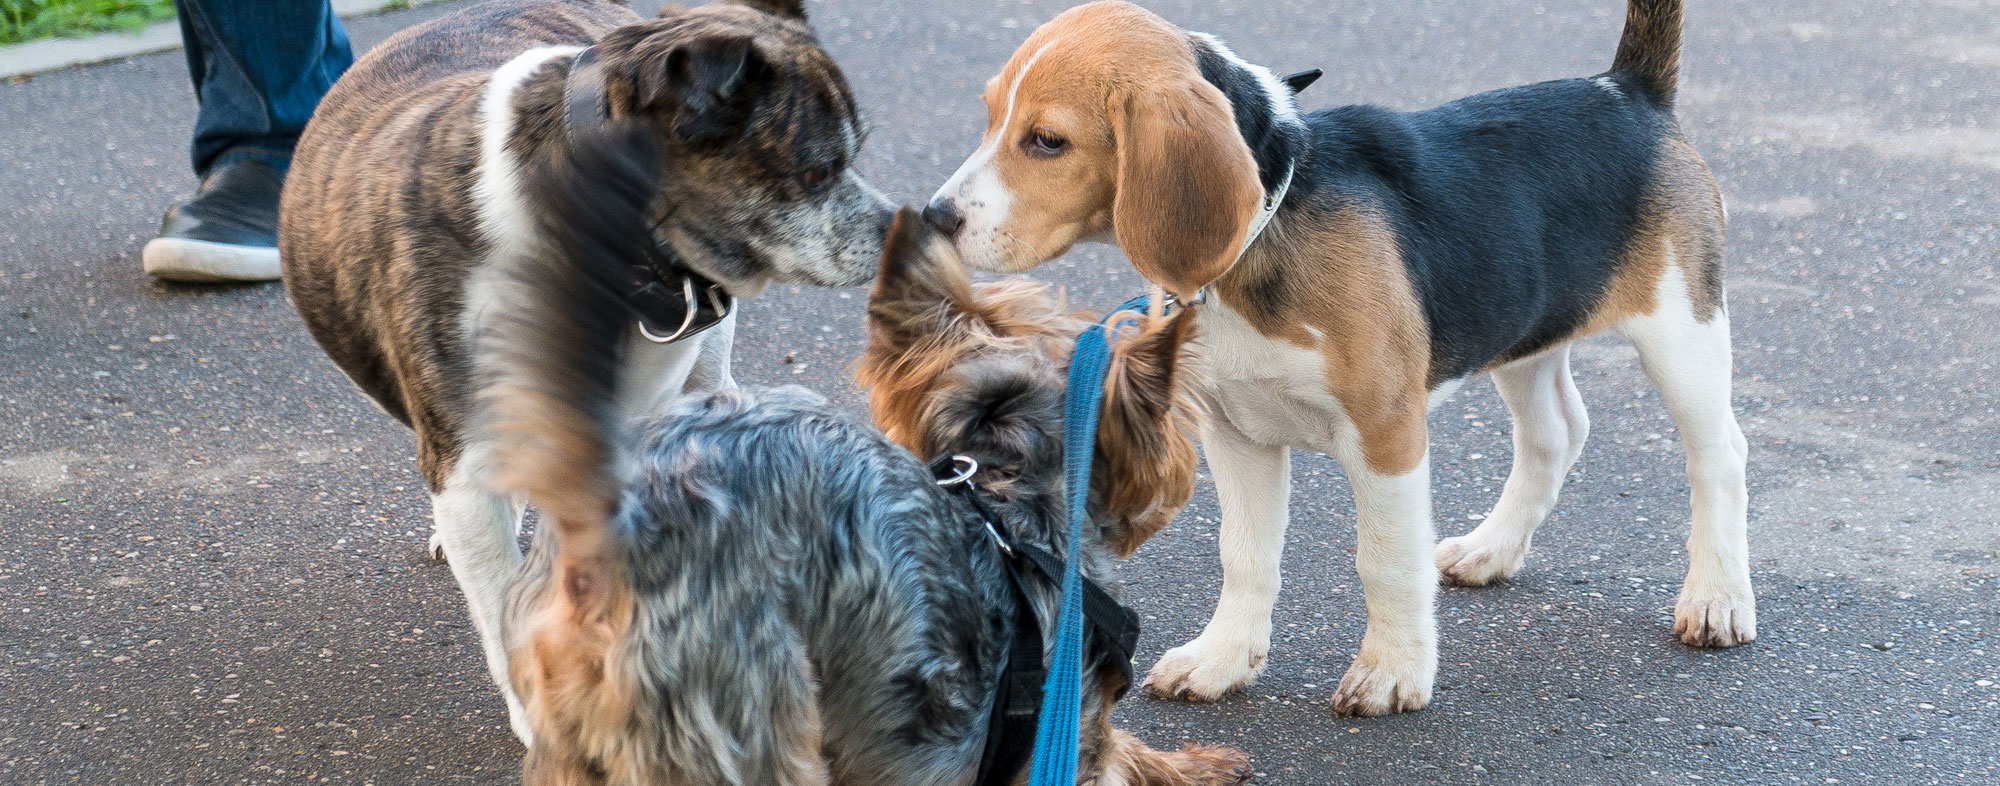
1056 733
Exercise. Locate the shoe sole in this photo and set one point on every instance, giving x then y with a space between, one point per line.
201 261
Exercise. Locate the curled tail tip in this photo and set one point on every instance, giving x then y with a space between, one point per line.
1649 49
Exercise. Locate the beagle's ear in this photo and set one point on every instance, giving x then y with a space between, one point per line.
1187 184
1145 451
784 9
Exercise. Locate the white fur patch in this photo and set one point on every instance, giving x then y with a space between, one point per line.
504 217
1275 92
984 200
1610 86
476 528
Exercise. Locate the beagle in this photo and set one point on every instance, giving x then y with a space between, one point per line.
1405 252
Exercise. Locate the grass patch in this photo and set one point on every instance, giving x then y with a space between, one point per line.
27 20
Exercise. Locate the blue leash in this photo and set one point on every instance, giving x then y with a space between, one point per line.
1062 693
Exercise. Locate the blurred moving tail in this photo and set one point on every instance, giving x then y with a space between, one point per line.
1649 51
550 359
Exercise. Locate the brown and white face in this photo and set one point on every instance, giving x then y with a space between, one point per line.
1101 124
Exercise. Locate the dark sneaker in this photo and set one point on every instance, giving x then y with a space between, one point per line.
227 232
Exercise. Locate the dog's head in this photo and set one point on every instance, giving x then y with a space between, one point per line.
760 133
1103 123
982 371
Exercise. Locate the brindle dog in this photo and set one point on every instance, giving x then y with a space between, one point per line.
408 192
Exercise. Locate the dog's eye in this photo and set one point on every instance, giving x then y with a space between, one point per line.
816 179
1042 142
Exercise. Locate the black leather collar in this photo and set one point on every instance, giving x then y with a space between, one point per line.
673 301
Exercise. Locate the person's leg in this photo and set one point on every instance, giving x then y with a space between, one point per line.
259 70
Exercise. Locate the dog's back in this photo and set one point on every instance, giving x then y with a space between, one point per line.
1513 230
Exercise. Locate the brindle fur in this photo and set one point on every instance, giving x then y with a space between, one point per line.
381 234
399 211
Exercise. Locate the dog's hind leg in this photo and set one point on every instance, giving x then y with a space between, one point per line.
477 528
1550 426
1688 359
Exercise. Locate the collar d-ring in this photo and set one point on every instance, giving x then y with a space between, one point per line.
965 467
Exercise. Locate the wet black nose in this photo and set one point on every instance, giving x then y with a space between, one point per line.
943 213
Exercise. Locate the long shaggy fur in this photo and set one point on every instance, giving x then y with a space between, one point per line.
776 593
931 330
551 361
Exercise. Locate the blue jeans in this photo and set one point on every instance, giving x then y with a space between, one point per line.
259 69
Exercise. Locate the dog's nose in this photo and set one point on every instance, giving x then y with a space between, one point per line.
943 213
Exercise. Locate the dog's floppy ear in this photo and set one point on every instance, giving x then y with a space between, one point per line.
695 83
787 9
921 289
1187 184
1145 456
918 314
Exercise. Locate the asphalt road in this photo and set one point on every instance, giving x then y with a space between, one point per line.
211 547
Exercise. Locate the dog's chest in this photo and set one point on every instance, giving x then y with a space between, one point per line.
1274 391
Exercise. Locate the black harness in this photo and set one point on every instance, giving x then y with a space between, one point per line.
1017 700
673 301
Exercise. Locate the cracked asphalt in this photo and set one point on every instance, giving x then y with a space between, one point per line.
211 547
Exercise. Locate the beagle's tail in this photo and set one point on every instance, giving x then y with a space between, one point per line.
550 352
1649 52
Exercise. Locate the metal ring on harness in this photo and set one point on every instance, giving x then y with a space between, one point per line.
969 465
1200 297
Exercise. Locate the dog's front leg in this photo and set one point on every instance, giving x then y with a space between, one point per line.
1130 762
1254 482
654 373
711 366
1394 670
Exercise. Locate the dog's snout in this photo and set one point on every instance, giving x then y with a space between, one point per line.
943 213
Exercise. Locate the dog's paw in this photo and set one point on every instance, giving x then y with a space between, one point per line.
436 547
1379 685
1473 561
1715 618
1205 669
1213 765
